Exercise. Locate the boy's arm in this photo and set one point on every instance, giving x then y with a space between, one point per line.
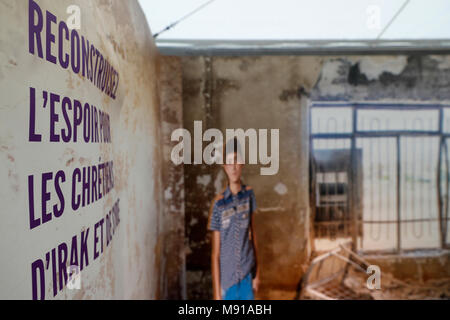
255 249
215 265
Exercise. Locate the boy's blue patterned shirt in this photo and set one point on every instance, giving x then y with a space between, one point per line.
231 216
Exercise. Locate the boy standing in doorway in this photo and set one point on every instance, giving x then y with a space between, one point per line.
235 272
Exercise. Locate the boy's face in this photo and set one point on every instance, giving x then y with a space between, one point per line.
232 168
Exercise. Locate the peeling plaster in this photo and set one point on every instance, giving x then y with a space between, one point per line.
204 180
443 61
218 182
384 78
331 69
194 221
280 188
373 67
168 193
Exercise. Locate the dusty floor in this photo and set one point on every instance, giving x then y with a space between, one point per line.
391 289
275 295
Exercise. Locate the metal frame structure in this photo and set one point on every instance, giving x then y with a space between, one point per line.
183 47
442 202
324 279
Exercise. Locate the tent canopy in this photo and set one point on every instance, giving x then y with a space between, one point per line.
354 23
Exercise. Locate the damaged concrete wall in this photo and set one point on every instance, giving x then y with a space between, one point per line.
377 78
120 240
259 93
419 265
274 92
173 259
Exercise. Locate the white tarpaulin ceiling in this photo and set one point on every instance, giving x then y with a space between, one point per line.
298 20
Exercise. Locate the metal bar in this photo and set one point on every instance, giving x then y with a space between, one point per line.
438 193
371 186
326 280
327 185
385 106
336 192
398 196
388 188
413 186
379 174
430 162
392 20
406 199
404 251
328 254
312 182
355 255
375 134
352 178
357 266
173 24
183 47
318 294
404 220
444 222
377 106
422 174
438 180
444 232
393 133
